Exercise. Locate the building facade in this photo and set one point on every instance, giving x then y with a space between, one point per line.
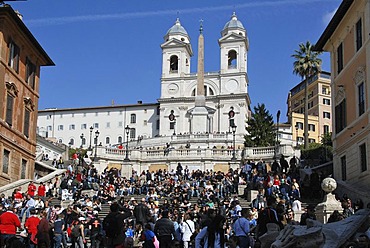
21 58
347 39
199 120
319 108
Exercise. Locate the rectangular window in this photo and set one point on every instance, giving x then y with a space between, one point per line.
326 101
326 115
361 98
73 115
311 140
145 111
310 105
72 127
60 127
132 133
120 124
30 73
23 169
343 164
311 127
172 125
107 125
145 122
6 159
9 109
340 58
325 91
83 126
61 115
340 116
13 60
26 124
84 115
96 125
326 129
363 159
358 35
108 113
120 112
96 113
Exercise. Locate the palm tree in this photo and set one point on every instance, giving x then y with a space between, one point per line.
307 63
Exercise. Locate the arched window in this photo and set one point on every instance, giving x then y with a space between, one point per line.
107 140
174 63
133 118
231 59
71 142
208 91
119 141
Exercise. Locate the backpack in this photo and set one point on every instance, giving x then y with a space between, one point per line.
111 225
76 232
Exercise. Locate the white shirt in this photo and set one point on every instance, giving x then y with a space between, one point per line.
187 229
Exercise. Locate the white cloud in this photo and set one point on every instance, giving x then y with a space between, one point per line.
254 4
327 17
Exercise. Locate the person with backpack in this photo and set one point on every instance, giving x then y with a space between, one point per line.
113 225
267 215
78 234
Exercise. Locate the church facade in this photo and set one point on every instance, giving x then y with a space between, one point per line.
198 121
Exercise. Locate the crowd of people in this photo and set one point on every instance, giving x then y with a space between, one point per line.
178 208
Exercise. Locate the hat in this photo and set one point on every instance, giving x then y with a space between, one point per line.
132 199
81 218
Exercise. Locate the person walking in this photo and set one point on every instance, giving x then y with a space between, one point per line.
241 229
164 229
187 229
9 223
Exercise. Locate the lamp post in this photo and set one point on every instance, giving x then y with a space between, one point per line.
233 129
172 119
296 135
277 131
91 129
96 143
82 139
127 129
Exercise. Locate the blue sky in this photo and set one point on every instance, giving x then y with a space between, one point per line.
110 50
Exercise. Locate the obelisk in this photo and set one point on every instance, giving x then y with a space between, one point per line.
200 123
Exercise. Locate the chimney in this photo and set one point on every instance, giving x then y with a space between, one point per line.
19 14
139 102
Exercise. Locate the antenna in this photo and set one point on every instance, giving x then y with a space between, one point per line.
2 2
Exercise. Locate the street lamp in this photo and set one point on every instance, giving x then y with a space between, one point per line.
91 129
233 129
96 143
172 119
127 129
82 139
296 134
277 131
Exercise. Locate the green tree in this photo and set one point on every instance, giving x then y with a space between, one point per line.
307 63
260 130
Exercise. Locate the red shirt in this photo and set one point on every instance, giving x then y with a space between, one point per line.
18 196
9 222
41 190
31 190
31 225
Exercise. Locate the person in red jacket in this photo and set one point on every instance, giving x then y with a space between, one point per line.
8 225
31 226
31 189
41 190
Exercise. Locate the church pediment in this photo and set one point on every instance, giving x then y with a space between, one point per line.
177 43
232 38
